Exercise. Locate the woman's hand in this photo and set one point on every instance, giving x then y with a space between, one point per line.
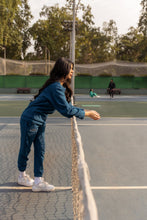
92 114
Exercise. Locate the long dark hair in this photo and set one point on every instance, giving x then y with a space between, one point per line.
60 70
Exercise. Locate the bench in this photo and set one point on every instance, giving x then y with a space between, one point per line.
23 90
115 91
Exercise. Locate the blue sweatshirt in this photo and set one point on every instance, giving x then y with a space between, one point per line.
51 98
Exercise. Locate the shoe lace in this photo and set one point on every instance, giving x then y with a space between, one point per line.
27 177
44 182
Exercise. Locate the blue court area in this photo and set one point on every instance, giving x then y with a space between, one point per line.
116 154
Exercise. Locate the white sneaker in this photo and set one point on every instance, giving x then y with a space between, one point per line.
42 186
25 180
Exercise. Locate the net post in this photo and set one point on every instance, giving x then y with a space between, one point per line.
73 49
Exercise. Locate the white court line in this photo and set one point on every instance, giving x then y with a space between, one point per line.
9 117
48 124
55 124
9 124
117 187
113 124
70 188
25 187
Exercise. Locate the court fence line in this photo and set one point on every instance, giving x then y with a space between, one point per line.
84 205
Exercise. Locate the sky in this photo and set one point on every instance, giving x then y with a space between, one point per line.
125 13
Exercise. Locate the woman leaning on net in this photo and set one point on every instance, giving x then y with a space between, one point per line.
55 94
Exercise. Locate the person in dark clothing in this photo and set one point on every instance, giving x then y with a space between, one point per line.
111 88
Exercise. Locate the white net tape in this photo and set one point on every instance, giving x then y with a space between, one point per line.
84 205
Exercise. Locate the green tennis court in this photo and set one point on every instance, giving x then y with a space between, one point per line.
106 107
15 108
117 109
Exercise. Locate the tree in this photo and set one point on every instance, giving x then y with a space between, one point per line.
15 27
92 44
50 33
22 22
83 38
128 46
100 45
142 25
111 32
7 13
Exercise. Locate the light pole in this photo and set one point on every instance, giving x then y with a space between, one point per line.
70 26
73 48
47 58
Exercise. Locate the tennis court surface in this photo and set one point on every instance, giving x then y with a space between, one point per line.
115 151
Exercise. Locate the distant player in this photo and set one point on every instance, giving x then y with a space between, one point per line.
111 86
55 94
93 94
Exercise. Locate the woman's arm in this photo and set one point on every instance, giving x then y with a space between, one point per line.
58 100
92 114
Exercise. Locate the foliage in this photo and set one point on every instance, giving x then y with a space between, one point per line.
92 45
142 26
51 34
22 22
7 14
111 32
90 42
128 46
14 22
143 18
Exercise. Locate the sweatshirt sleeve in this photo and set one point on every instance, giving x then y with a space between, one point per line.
58 100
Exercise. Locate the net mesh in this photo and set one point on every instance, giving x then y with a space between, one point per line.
115 68
13 67
84 206
77 193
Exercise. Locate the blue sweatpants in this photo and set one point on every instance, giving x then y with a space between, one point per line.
32 133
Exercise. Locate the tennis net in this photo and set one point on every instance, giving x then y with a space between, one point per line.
84 206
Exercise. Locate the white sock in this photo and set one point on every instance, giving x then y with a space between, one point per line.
22 174
37 180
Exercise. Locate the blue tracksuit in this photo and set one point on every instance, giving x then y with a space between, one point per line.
33 120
